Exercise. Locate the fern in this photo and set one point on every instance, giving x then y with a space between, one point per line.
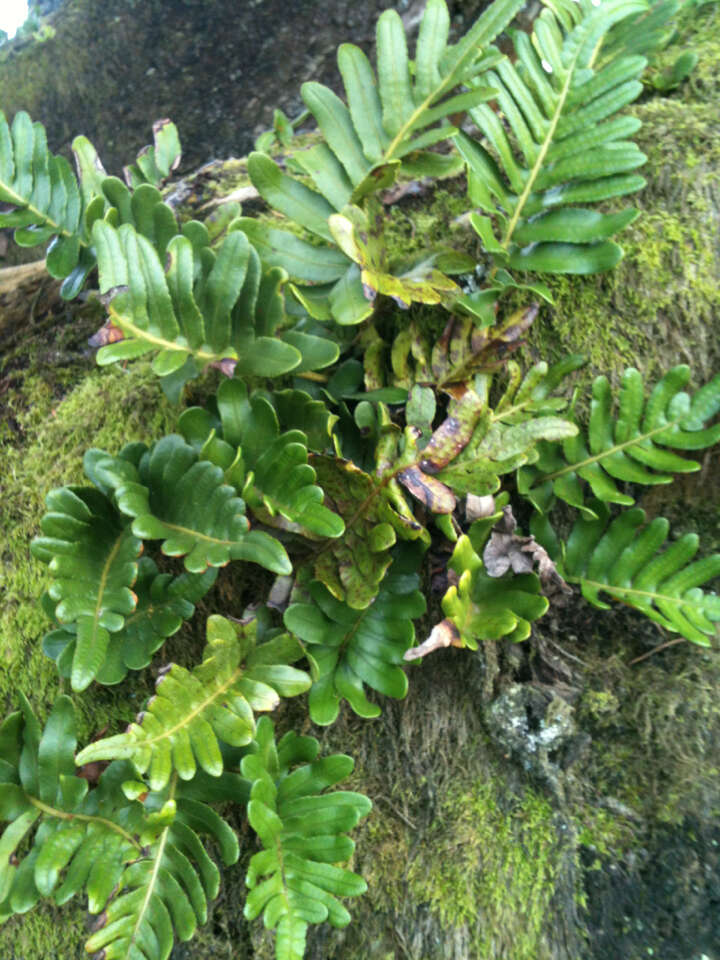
93 557
625 560
571 147
350 647
481 607
44 192
181 725
155 163
408 423
295 880
271 469
637 444
387 123
100 842
203 307
175 497
163 603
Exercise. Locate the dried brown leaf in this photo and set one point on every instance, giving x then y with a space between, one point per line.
443 634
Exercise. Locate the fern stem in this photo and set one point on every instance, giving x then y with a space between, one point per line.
85 818
619 593
663 646
634 441
539 160
155 871
188 718
128 327
24 204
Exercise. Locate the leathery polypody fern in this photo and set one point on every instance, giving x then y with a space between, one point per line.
333 470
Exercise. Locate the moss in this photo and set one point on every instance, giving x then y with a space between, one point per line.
106 409
656 728
493 868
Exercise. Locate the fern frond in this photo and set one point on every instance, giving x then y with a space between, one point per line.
93 558
351 648
481 607
164 892
193 709
163 604
143 867
204 306
155 163
629 560
295 879
269 467
174 496
43 191
53 816
638 442
571 148
388 122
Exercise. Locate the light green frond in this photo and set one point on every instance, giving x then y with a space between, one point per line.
193 710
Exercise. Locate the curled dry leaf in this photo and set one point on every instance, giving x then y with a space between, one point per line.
507 550
443 634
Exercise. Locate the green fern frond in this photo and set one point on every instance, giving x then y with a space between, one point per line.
93 557
568 147
388 122
204 306
269 467
638 442
155 163
629 560
163 893
174 496
193 709
143 866
295 879
163 604
53 816
43 191
350 648
481 607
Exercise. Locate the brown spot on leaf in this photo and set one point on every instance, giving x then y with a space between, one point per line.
91 771
434 494
108 333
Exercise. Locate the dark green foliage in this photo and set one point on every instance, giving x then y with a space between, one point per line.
270 468
163 603
365 477
639 442
43 191
629 560
560 104
349 648
386 126
143 866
